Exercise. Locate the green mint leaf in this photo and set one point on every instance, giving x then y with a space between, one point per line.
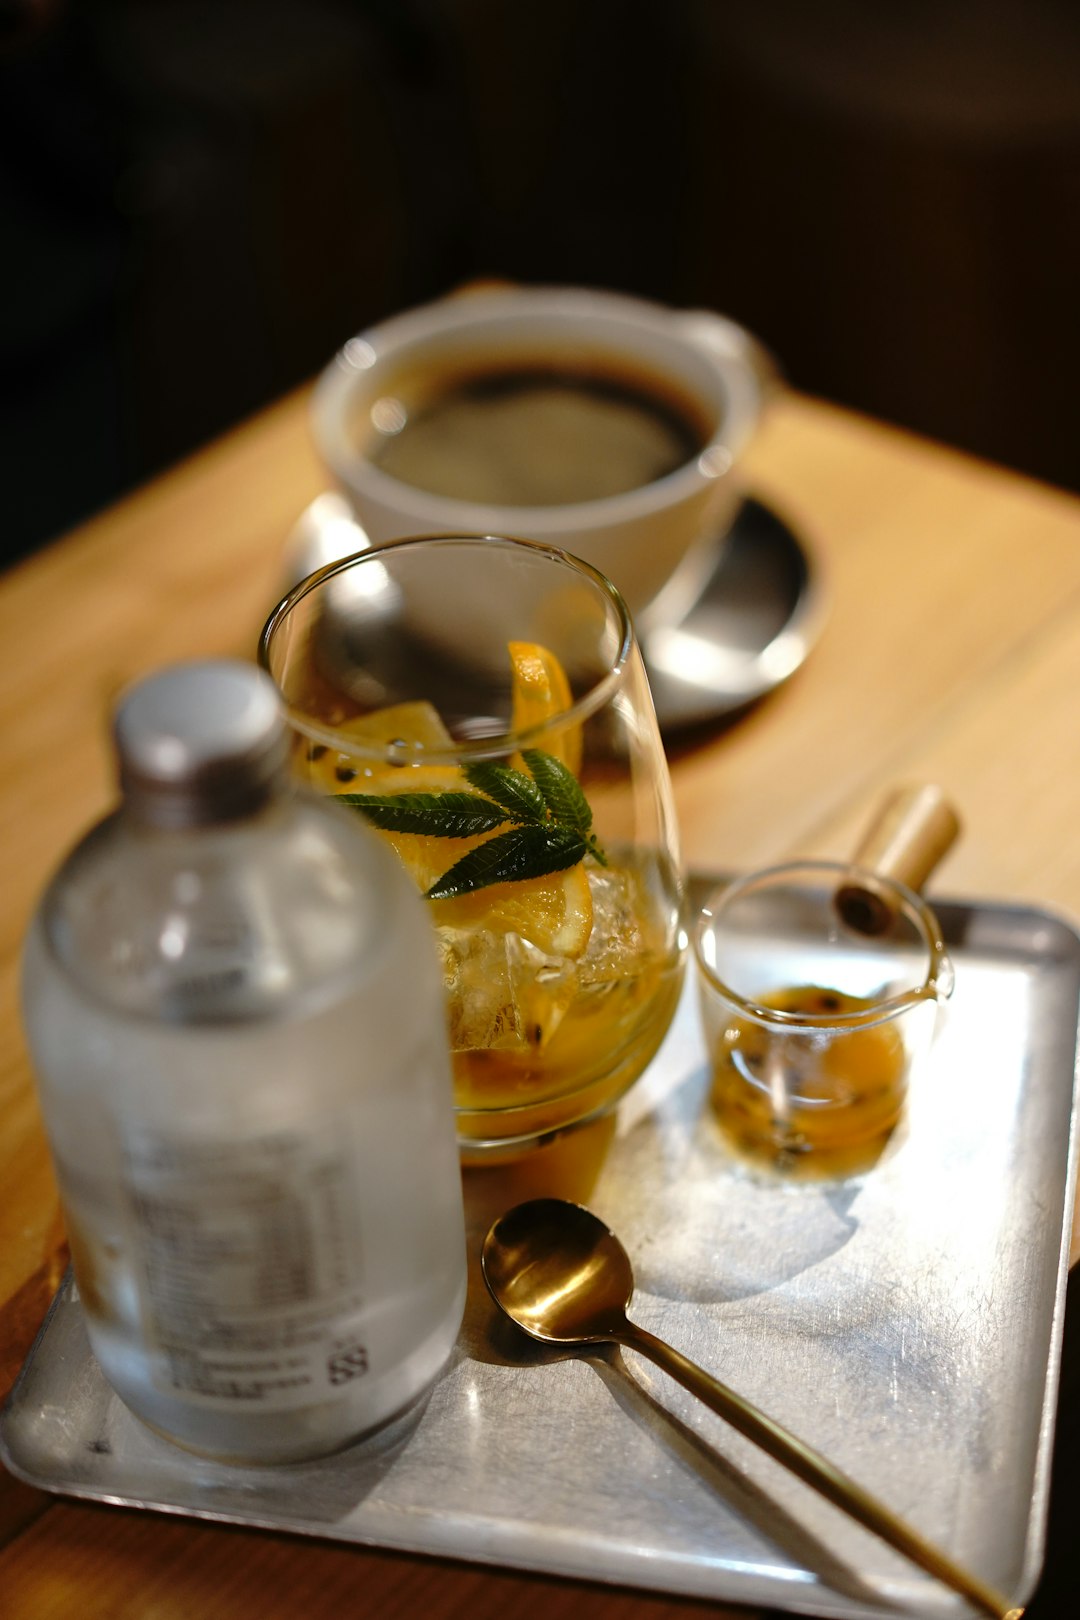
560 790
550 816
525 852
564 798
515 791
438 815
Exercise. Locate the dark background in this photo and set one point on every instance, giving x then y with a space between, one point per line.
200 199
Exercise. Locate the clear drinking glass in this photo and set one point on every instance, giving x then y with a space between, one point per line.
812 1026
482 701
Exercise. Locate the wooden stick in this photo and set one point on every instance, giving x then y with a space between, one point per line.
911 833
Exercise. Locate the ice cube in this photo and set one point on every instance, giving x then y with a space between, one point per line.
617 943
543 987
480 997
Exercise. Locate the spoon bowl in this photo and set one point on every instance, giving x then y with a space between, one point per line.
560 1274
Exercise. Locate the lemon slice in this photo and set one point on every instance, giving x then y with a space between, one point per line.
554 913
540 691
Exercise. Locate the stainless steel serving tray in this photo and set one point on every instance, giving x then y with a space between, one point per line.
907 1324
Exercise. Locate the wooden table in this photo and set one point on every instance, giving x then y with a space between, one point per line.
951 653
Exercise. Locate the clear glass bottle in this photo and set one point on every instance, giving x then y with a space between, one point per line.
235 1014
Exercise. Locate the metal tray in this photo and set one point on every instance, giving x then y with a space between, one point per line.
907 1324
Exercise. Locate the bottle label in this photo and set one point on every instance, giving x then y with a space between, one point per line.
251 1264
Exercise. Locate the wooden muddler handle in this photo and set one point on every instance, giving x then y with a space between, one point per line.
911 833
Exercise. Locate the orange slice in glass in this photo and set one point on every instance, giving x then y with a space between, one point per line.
554 913
414 727
540 692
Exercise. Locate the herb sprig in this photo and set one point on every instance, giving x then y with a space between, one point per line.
547 814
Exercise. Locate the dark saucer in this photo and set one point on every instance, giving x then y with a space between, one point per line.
751 627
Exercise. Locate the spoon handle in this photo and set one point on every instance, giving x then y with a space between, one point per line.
815 1470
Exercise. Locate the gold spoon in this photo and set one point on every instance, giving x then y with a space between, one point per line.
558 1272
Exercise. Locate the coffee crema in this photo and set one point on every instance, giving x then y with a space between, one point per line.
531 434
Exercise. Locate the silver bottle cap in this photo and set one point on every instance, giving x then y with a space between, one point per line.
200 742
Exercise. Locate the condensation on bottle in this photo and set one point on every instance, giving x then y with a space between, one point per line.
236 1021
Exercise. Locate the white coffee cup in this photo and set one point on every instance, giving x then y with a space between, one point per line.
656 540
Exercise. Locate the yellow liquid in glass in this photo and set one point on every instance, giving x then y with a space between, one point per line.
559 989
541 1036
818 1103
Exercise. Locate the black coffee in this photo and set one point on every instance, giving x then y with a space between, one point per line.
533 436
